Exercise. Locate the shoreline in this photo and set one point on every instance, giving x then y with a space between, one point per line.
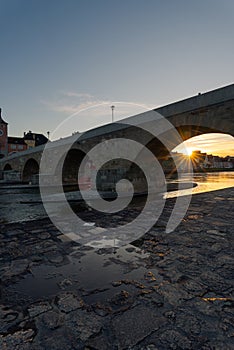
165 290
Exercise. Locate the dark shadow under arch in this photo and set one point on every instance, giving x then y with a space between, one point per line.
69 166
31 168
7 167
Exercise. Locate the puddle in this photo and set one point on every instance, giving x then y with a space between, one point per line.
90 273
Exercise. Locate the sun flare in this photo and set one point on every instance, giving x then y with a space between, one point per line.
189 151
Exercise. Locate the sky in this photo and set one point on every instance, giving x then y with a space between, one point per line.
59 57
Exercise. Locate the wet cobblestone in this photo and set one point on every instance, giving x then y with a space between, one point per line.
164 291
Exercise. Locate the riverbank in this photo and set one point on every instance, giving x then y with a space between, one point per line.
164 291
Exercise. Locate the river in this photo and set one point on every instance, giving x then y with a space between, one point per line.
23 204
206 182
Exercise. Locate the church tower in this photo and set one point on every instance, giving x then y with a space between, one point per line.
3 137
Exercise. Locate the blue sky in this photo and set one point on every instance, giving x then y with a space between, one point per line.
61 55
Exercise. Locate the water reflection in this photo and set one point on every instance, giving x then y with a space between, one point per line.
88 271
206 182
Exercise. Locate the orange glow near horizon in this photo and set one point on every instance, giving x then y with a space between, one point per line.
189 151
217 144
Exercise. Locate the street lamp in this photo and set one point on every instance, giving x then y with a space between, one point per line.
112 114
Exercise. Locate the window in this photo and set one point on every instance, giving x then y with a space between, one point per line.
20 147
13 146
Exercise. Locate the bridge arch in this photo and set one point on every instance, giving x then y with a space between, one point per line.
162 151
7 167
31 168
69 165
188 131
170 140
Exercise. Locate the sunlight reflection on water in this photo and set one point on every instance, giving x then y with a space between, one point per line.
206 182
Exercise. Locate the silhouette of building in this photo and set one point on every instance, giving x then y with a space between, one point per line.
32 139
11 144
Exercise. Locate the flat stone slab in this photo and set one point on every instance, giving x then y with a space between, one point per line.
68 302
134 325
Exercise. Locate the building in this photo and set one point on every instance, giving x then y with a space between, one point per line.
11 144
16 144
216 162
198 159
34 140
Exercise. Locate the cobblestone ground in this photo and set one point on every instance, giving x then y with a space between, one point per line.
164 291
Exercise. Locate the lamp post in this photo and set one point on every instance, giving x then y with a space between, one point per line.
112 113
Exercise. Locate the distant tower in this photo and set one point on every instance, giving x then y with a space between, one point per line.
3 137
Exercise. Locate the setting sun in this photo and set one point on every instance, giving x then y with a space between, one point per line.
189 151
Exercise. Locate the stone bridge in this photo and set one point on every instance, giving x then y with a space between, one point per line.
204 113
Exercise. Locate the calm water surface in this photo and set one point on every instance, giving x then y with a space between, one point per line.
206 182
20 204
